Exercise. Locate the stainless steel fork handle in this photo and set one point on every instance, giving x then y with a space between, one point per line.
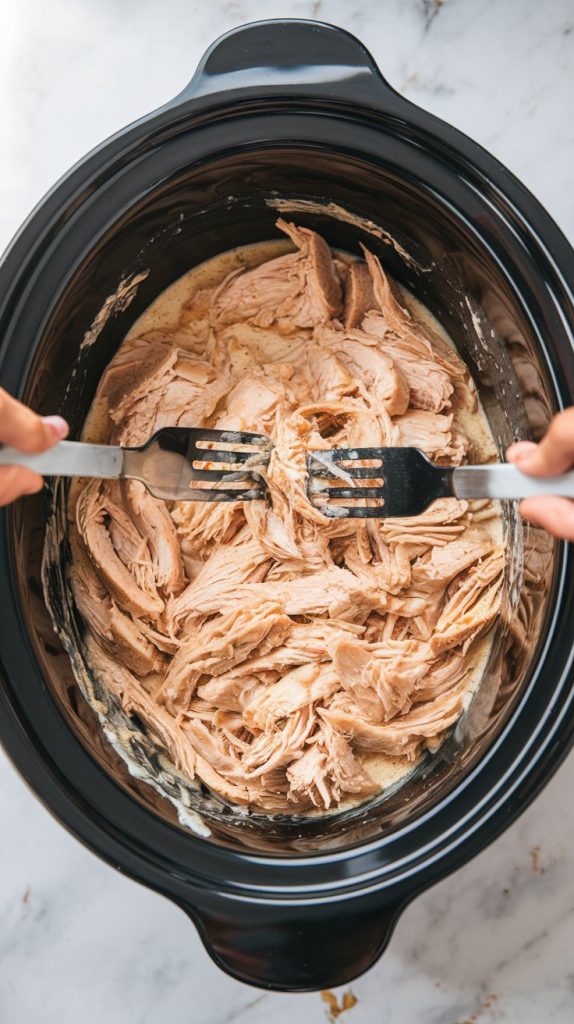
69 458
504 480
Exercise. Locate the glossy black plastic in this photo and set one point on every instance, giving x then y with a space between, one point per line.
285 109
399 482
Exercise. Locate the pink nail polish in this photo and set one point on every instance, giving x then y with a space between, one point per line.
57 426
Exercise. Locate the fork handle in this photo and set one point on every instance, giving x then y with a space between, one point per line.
69 458
504 480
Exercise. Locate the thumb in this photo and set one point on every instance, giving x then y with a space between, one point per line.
24 429
554 454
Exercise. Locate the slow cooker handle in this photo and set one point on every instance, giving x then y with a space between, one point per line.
293 948
292 57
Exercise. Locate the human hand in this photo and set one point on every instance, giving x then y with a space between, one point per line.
23 429
554 455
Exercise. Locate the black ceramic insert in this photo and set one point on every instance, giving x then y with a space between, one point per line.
292 110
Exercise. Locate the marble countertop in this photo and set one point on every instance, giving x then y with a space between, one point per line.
77 940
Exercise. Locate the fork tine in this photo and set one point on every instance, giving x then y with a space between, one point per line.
172 465
321 494
320 479
357 472
208 494
345 454
410 482
347 492
222 475
217 455
352 512
230 437
316 464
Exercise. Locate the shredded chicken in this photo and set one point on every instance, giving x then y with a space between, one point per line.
269 650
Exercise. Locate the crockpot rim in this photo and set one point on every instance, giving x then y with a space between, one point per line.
174 114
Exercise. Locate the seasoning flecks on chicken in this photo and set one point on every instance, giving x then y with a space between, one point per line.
270 651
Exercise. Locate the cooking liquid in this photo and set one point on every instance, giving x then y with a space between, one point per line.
163 314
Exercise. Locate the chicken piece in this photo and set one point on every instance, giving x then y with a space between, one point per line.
439 524
164 642
359 293
403 736
295 690
277 748
437 568
433 434
387 569
306 643
174 388
190 396
381 680
142 365
430 575
252 405
242 560
327 771
409 340
135 700
130 545
220 784
275 534
134 409
130 643
117 633
442 675
430 387
153 521
286 475
193 327
333 591
229 692
331 380
353 665
181 404
298 290
242 349
372 430
382 383
92 512
213 747
220 645
201 524
473 607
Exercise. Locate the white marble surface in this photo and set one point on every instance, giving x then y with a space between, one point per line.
495 942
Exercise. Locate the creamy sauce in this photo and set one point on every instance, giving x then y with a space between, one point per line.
163 315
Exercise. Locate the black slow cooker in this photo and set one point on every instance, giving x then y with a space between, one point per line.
291 116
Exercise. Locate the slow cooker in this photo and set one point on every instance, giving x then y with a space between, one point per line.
291 117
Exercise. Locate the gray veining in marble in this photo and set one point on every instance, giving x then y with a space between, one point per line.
495 942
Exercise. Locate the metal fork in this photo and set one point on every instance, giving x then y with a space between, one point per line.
170 464
403 482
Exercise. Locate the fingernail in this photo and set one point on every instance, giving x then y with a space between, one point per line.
57 426
524 451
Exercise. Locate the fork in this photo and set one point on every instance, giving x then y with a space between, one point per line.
170 464
404 482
